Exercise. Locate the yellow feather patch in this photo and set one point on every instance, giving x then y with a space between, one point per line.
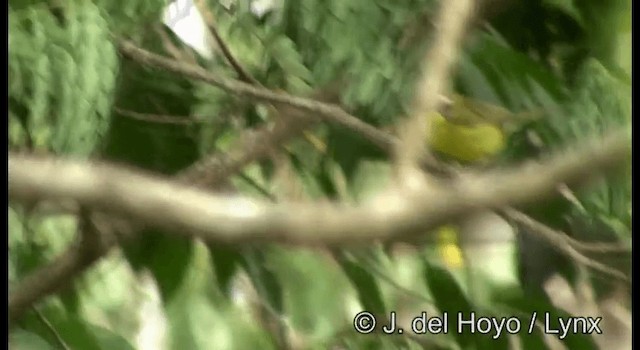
448 249
466 143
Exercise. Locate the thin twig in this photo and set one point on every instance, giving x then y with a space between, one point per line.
558 241
51 329
253 145
597 247
328 112
210 22
161 118
178 54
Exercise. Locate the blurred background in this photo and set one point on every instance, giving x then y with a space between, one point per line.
72 94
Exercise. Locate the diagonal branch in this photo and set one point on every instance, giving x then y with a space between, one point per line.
192 212
71 262
328 112
226 52
561 243
212 170
56 275
296 121
253 145
341 228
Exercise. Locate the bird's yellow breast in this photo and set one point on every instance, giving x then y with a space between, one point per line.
466 143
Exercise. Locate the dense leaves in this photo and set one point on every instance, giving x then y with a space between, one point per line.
71 94
62 69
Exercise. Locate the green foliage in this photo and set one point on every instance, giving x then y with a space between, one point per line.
365 284
516 303
165 148
339 39
493 71
26 340
63 68
568 59
449 298
125 17
55 327
599 102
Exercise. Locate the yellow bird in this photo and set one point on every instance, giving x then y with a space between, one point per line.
448 248
465 143
468 131
472 131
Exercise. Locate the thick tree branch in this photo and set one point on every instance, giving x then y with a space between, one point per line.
192 212
57 273
254 145
215 219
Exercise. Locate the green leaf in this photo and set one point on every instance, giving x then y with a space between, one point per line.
326 179
533 341
366 285
567 6
109 340
493 70
74 331
348 150
28 256
181 324
285 53
166 256
264 279
368 177
25 340
226 260
370 87
527 306
450 298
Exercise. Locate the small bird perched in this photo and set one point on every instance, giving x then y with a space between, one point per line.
448 247
472 131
